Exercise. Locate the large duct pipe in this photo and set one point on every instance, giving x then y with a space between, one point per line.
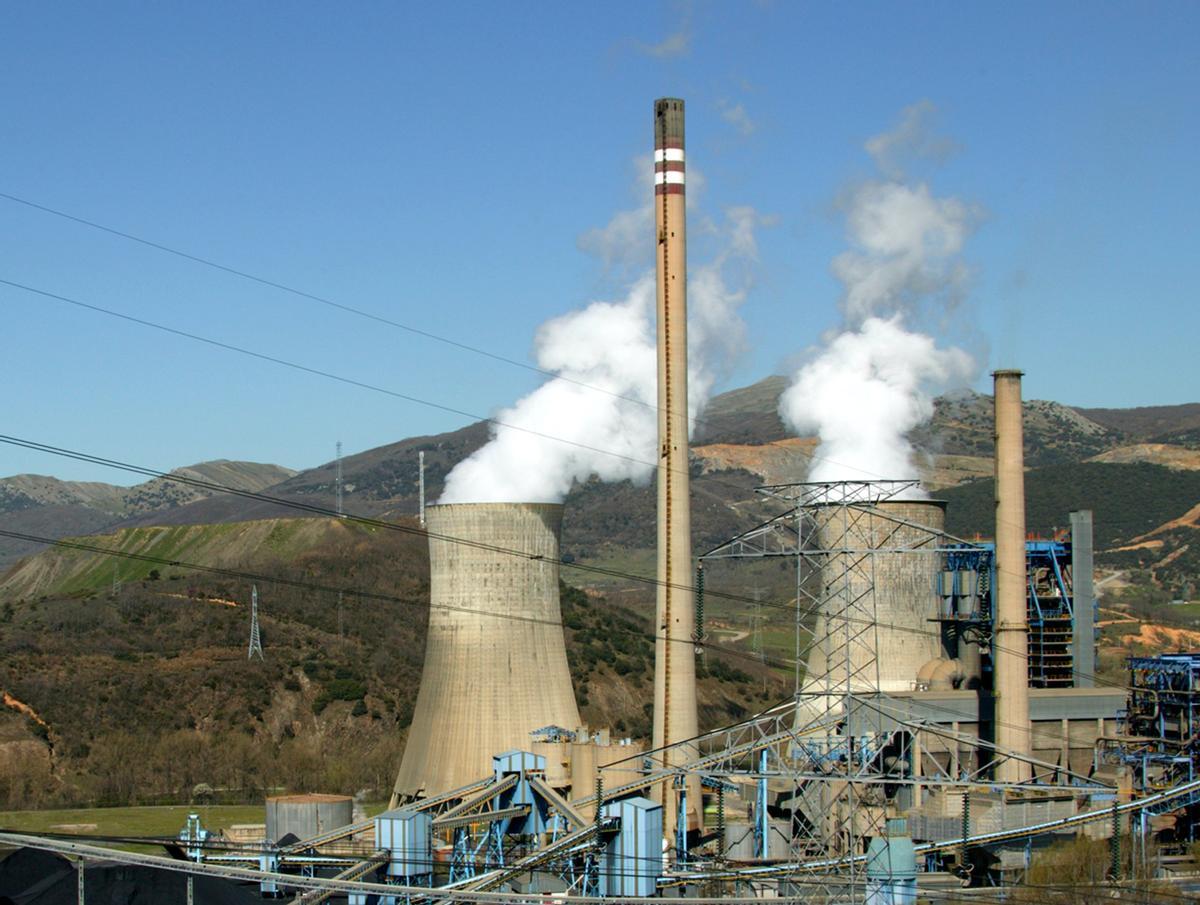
866 642
675 718
495 657
1010 650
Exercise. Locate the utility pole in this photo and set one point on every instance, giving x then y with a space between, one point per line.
337 482
255 640
421 484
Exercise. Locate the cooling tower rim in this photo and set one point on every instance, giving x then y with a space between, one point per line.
494 507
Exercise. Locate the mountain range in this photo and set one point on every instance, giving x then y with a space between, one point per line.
740 443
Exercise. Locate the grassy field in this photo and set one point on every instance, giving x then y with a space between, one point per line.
167 820
635 562
1188 612
62 571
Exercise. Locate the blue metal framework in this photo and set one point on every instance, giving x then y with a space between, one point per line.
966 598
1163 714
966 583
1160 728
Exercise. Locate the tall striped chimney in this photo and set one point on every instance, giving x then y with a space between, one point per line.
675 718
1010 652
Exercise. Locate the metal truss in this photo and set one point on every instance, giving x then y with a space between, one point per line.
840 493
834 530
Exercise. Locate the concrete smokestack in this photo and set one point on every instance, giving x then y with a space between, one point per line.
675 717
495 658
1010 653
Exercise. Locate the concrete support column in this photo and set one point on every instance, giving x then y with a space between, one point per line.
1066 744
1083 600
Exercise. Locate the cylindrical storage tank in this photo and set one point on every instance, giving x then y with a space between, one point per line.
864 642
495 656
892 867
305 816
558 761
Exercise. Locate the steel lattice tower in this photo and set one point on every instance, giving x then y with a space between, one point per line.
837 747
255 639
838 533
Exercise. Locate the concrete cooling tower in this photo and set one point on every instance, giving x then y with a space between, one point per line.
495 657
887 655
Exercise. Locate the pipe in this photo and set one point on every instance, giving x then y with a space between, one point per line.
948 675
925 673
941 674
1010 653
971 658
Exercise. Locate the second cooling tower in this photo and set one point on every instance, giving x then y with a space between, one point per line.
495 657
874 632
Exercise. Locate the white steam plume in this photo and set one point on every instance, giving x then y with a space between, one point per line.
865 391
874 380
604 401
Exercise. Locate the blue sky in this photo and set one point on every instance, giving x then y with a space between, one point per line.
438 166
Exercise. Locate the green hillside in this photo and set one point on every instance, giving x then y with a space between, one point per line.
140 695
62 571
1127 500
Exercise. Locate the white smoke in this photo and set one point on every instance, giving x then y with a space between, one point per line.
865 391
906 244
599 416
874 379
913 138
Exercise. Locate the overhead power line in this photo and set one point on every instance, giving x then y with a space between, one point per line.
322 300
280 580
359 312
329 375
274 284
243 575
469 542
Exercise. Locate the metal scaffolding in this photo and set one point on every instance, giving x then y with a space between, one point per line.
828 783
